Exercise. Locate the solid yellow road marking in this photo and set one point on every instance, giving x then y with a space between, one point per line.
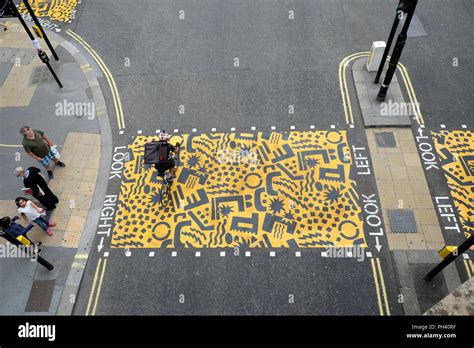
345 91
411 92
107 74
468 268
343 85
382 281
359 55
6 145
99 287
86 67
93 287
377 286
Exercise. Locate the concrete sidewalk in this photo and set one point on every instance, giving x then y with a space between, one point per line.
29 96
414 230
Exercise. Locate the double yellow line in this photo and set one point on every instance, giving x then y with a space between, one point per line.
469 267
96 287
346 100
107 74
380 287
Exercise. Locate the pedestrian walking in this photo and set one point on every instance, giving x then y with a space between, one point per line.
34 181
32 213
38 146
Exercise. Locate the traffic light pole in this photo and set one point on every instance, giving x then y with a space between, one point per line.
451 257
397 52
41 54
35 19
387 48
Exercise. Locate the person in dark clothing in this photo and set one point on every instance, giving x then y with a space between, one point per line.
33 180
12 230
167 162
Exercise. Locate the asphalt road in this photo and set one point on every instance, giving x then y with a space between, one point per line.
161 62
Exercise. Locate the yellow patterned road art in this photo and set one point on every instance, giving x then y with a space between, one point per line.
456 150
54 10
258 190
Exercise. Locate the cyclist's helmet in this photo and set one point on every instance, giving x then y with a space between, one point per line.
163 136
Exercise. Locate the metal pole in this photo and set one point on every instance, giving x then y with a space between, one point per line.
53 73
44 263
397 52
35 19
22 21
387 48
42 54
451 257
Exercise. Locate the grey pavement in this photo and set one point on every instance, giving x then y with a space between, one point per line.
28 288
41 114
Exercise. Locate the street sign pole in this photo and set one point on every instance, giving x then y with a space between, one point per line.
387 48
41 54
397 51
45 37
451 257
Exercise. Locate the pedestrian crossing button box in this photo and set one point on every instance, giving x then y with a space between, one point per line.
375 56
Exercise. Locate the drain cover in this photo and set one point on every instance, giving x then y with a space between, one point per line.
402 221
385 139
40 296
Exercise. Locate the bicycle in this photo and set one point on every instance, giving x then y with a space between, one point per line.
164 194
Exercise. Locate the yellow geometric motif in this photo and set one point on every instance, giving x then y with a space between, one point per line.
456 150
255 190
55 10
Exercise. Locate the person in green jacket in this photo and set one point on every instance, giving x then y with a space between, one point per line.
38 146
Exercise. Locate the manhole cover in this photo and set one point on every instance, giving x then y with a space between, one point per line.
385 139
40 296
402 221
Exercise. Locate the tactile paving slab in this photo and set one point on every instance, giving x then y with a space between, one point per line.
41 74
402 221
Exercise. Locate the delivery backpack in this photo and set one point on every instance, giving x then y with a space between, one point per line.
156 152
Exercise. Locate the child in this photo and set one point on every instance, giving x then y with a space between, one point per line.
32 213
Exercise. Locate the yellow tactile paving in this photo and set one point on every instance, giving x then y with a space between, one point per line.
16 90
402 184
284 190
456 150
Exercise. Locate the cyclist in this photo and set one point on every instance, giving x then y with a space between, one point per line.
167 154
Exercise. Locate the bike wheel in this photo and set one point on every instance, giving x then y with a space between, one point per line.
164 194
